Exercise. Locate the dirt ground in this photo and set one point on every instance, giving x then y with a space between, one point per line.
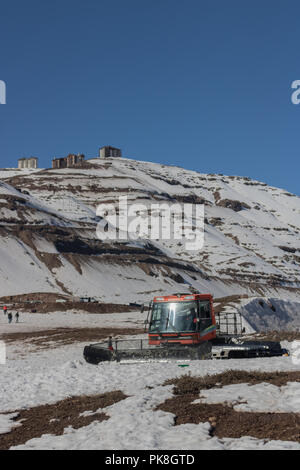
50 339
224 420
277 336
51 302
89 307
54 419
192 385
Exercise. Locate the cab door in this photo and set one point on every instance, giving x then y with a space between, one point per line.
205 317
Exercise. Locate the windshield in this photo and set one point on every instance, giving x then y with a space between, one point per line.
174 317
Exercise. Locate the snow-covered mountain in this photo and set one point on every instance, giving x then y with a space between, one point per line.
48 234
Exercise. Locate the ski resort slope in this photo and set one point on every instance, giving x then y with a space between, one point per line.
48 240
47 376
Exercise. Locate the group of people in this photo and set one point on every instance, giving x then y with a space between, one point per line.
10 315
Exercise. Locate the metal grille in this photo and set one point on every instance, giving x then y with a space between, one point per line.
229 323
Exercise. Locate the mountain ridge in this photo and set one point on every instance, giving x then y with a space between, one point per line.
48 221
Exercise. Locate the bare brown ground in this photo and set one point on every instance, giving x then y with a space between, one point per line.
54 419
49 339
224 420
89 307
47 302
277 336
192 385
49 307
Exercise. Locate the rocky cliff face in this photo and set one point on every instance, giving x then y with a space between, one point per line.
48 237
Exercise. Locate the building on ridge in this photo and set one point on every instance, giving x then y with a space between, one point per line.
110 152
31 163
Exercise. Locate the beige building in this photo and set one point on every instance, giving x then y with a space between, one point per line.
31 162
73 159
110 152
68 162
58 163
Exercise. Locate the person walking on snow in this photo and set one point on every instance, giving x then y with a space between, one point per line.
5 310
9 316
17 317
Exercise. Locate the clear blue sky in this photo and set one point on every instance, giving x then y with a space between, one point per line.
200 84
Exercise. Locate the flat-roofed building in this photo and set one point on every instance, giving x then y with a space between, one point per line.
73 159
21 163
31 162
68 162
58 163
110 152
